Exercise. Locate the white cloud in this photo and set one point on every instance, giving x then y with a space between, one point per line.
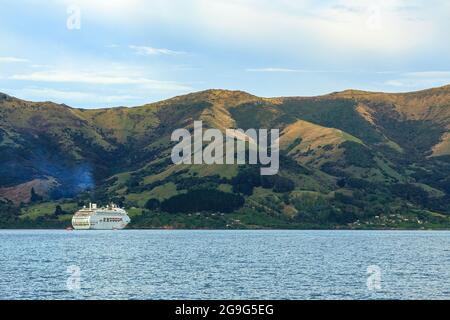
299 25
272 70
290 26
62 96
38 66
429 74
71 76
287 70
148 51
420 79
13 59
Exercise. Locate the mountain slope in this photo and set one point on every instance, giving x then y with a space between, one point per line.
346 158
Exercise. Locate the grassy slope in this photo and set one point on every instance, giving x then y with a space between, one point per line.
315 131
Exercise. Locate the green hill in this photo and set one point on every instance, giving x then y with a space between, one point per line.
349 159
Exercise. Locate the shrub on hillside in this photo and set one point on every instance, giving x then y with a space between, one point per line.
203 200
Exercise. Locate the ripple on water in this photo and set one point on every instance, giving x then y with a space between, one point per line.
176 264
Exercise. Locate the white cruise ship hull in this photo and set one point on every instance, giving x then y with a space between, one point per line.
100 219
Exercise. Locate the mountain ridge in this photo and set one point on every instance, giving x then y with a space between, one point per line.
346 157
215 91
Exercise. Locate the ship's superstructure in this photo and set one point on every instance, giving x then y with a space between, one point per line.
100 218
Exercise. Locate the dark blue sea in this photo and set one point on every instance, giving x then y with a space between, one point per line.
182 264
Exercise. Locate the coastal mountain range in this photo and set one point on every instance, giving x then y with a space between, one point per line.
350 159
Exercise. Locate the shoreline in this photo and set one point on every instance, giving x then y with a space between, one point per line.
242 229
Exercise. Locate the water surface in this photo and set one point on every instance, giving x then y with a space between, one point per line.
182 264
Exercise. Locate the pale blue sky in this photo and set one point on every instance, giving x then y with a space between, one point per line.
130 52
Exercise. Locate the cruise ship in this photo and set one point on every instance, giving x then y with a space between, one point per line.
100 218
